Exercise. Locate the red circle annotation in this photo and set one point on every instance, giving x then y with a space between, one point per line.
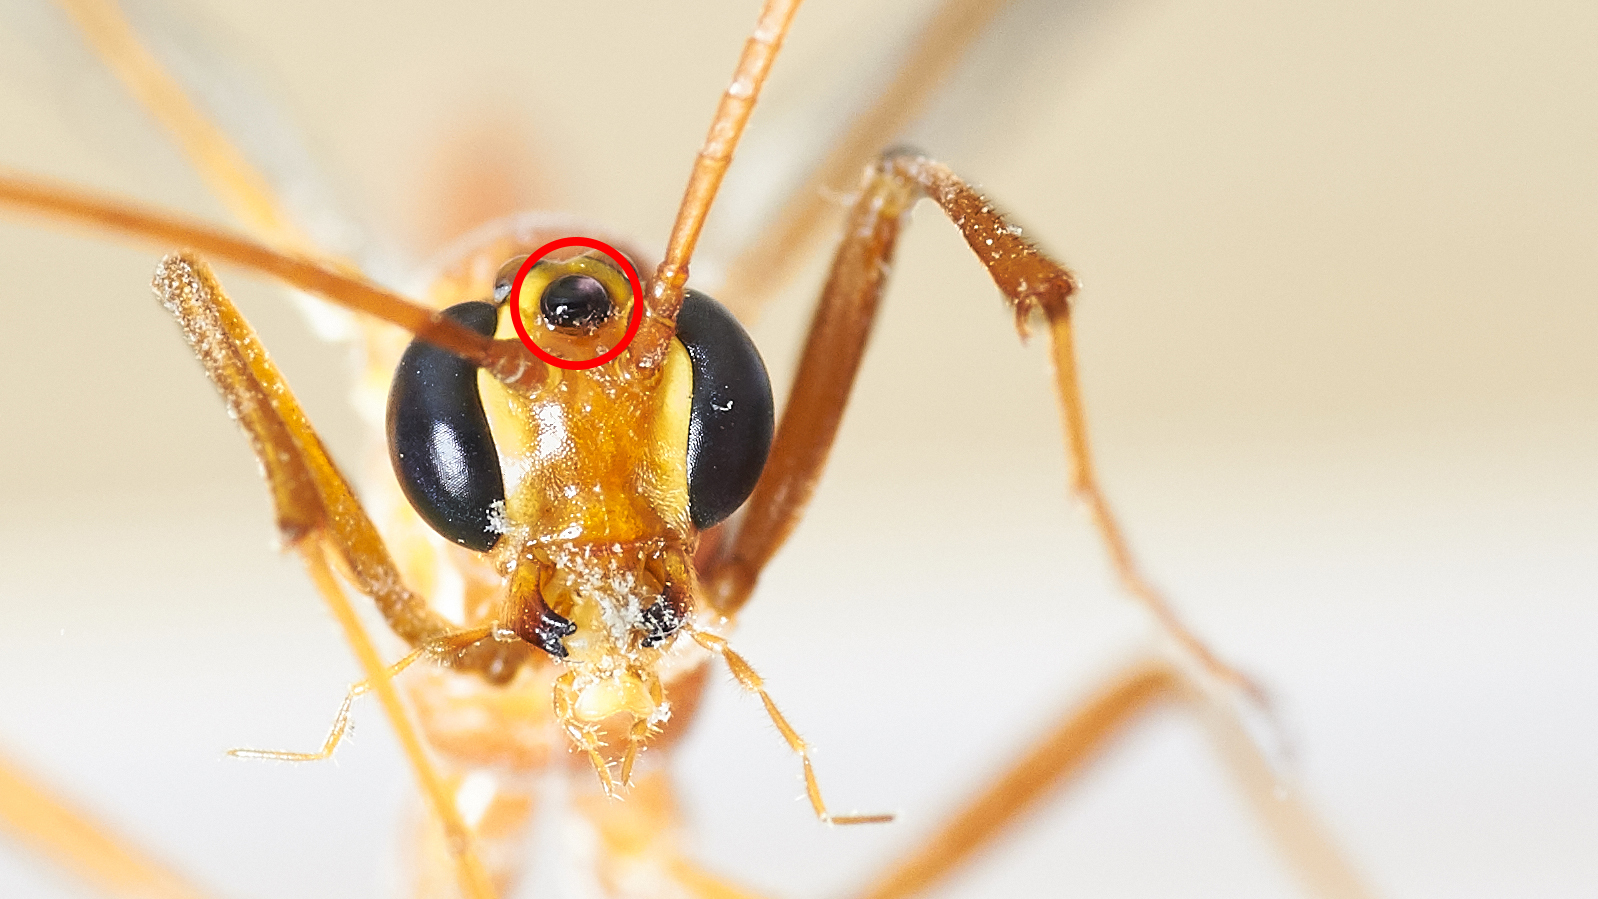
634 320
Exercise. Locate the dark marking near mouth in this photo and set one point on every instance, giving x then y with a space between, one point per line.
661 620
546 630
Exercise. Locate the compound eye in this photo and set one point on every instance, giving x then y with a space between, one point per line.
577 302
439 439
731 419
506 279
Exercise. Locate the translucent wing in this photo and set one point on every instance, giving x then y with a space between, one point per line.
51 55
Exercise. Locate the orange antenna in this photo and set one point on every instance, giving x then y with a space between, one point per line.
737 102
508 360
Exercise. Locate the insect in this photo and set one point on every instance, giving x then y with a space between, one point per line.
856 779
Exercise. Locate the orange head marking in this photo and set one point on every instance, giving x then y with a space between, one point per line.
587 493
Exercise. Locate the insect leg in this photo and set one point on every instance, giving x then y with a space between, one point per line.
49 826
752 682
341 720
1068 747
319 517
1033 284
1073 743
311 496
831 357
807 214
1030 280
828 364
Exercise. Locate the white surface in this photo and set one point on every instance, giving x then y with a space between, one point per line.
1337 340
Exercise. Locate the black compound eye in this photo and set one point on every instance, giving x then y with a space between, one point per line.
732 417
575 301
439 440
506 279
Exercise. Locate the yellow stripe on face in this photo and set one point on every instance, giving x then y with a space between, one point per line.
599 456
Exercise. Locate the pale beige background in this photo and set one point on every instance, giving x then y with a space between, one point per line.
1338 344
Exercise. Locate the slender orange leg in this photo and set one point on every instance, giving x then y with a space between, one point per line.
445 648
310 494
1294 827
1080 737
51 827
751 681
341 720
1033 284
810 214
1073 743
828 364
320 518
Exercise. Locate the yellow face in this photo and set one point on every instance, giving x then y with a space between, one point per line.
598 454
596 519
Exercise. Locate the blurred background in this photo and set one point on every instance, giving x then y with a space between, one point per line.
1337 344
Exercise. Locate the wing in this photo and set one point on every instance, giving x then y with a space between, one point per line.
77 57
